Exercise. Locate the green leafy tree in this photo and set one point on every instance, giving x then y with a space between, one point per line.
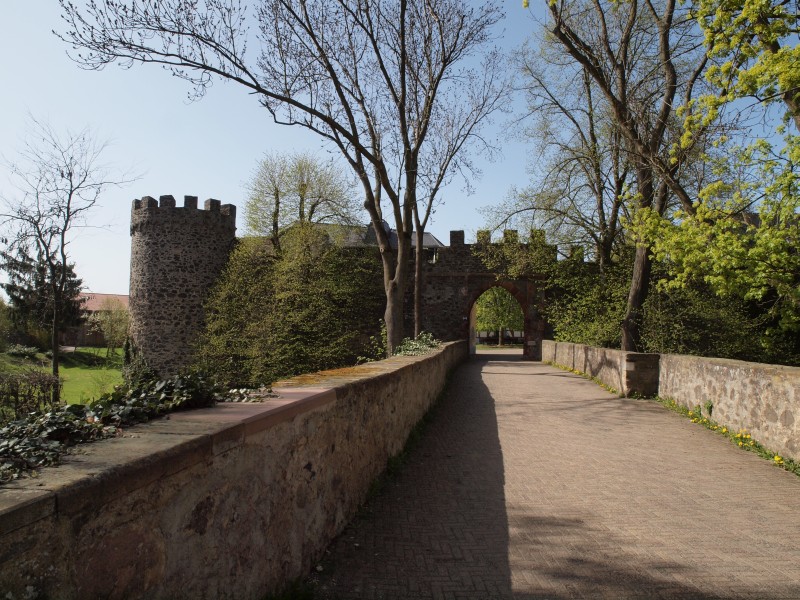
737 253
497 310
112 320
30 294
297 188
741 238
755 45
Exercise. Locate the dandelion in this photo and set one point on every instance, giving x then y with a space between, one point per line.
777 459
724 430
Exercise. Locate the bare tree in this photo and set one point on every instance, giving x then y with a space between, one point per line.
362 75
646 58
456 135
580 171
59 178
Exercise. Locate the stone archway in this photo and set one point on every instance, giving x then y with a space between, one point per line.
456 280
511 287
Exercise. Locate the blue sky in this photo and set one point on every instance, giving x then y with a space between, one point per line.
206 148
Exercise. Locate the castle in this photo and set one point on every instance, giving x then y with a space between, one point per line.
178 253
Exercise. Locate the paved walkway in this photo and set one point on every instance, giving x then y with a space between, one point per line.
533 483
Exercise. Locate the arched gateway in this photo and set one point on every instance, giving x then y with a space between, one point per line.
456 278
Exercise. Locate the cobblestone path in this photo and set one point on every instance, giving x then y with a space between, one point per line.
529 482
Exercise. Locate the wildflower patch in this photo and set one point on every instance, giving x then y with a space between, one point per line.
742 438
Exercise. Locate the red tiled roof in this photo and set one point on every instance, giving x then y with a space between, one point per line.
95 302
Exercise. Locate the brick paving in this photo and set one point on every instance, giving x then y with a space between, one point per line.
530 482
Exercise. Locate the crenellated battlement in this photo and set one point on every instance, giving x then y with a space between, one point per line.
148 209
177 253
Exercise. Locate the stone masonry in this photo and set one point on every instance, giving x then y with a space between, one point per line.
177 253
457 279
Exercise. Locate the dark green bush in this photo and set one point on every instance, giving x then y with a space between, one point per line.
311 307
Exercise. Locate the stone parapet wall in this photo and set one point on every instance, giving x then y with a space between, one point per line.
630 373
177 254
229 502
760 398
763 399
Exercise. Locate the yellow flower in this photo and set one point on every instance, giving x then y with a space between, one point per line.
691 414
777 459
724 430
740 444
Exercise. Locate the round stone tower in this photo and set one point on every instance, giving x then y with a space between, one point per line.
176 256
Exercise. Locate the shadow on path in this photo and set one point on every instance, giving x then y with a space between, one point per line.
438 528
549 487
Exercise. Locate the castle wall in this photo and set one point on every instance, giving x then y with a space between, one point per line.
457 279
177 253
234 501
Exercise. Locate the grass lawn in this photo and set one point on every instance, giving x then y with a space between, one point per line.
86 372
495 346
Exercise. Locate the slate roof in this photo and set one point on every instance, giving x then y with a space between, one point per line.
360 236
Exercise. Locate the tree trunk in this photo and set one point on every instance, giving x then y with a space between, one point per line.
276 217
54 348
640 285
393 316
419 257
395 269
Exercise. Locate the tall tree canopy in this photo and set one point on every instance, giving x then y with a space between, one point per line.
381 81
741 238
297 188
580 171
497 310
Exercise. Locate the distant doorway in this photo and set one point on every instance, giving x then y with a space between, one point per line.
497 320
